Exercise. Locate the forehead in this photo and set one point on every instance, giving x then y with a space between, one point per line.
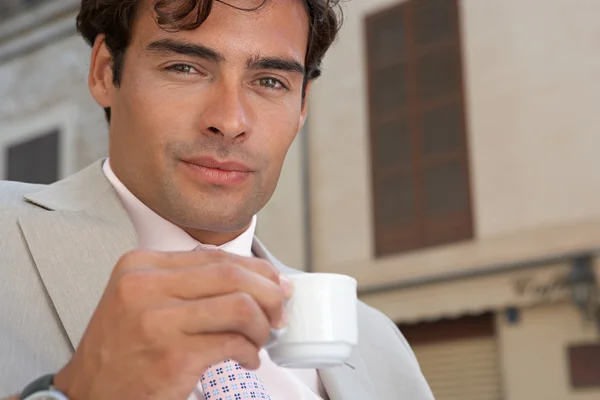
279 27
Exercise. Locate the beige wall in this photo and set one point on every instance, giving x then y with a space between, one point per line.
533 77
533 352
533 88
281 223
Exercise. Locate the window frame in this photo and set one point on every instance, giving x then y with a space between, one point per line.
59 118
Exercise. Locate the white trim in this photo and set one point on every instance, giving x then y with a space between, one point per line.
61 118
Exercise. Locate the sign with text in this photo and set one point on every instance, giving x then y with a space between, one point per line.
543 288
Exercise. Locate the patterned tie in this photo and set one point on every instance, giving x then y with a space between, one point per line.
228 380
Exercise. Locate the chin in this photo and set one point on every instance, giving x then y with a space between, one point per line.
214 221
214 212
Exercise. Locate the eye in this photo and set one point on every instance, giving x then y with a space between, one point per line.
182 69
271 83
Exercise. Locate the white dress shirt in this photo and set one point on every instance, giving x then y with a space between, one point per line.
156 233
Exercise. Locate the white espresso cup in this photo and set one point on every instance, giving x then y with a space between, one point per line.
322 328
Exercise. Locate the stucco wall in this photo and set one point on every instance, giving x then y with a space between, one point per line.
534 353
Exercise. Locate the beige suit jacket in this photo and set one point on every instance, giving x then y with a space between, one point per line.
58 245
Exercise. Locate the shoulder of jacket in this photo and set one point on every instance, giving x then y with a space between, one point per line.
377 321
12 197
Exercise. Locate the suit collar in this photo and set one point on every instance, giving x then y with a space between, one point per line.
77 244
76 192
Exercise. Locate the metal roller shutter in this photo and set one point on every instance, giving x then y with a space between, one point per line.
461 369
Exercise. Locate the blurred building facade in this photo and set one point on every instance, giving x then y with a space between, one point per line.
453 172
44 99
451 156
449 163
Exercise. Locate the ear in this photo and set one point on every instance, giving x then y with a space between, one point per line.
100 80
304 105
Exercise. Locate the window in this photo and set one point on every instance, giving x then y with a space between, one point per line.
34 161
584 365
421 184
39 150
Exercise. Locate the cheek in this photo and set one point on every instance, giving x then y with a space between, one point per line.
156 113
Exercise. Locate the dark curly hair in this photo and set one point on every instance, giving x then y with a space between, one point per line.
114 19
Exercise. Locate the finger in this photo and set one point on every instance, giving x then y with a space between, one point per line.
232 313
171 260
199 258
224 279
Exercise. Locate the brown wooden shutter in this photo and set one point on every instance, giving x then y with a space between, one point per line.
421 184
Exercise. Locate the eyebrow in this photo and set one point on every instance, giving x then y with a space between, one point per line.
186 49
276 63
169 46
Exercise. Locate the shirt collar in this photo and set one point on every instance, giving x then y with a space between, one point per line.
156 233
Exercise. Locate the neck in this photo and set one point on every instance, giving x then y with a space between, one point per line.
213 238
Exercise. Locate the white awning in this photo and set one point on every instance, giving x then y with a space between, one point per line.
451 299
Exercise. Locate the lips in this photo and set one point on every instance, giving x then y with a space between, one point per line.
210 162
215 172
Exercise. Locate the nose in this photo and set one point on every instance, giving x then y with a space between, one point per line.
226 113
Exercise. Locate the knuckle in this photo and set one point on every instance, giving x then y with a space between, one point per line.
216 255
132 284
245 311
237 347
149 323
132 258
249 319
268 269
127 259
233 342
248 356
233 274
244 306
173 362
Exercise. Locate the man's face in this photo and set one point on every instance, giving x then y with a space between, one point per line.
203 119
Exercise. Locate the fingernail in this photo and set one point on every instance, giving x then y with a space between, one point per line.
286 285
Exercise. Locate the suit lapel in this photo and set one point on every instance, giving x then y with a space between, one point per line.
77 244
351 381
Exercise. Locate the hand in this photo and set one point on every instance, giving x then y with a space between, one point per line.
164 318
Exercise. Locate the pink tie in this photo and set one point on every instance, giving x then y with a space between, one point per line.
228 380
